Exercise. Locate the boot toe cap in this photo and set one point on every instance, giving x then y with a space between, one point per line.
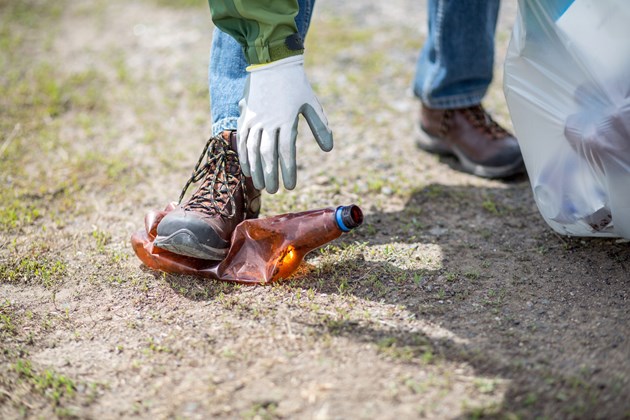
182 226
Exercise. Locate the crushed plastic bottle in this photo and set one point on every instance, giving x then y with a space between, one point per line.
261 250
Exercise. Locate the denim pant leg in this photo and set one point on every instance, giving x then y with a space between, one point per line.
456 62
227 72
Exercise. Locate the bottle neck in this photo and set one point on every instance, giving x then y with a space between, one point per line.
348 217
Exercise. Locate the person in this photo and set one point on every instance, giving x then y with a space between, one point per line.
258 89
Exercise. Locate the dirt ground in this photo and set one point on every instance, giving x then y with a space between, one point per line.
453 300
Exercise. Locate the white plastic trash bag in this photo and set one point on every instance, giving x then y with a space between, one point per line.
567 85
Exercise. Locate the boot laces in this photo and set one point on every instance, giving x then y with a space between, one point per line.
480 119
221 174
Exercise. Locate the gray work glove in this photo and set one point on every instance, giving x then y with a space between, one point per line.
275 95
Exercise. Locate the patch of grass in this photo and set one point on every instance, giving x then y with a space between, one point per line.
48 383
107 170
17 18
343 285
41 91
62 393
472 274
102 238
375 184
263 410
336 325
451 276
491 410
118 256
490 206
427 356
33 269
29 12
35 94
434 191
415 386
16 213
417 349
530 399
485 386
154 347
7 323
33 201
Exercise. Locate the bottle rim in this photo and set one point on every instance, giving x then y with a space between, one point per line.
348 217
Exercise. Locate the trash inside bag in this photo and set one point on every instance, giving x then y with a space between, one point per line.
567 86
261 250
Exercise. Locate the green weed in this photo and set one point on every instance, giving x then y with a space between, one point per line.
489 205
418 349
16 213
155 347
485 386
472 274
263 410
434 191
102 238
7 324
36 269
48 383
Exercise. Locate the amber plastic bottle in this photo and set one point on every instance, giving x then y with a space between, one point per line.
261 251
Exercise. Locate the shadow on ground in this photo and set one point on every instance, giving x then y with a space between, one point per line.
501 287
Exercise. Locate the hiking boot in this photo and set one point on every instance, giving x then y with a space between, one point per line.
482 146
202 226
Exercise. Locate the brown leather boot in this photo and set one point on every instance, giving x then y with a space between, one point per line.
483 147
202 226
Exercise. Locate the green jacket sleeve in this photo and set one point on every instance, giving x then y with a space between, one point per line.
265 28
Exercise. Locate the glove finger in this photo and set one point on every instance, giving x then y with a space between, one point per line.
287 154
241 137
316 119
253 154
242 133
269 159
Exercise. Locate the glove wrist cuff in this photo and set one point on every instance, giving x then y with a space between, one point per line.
288 61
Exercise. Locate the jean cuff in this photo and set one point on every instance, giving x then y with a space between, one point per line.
225 124
453 102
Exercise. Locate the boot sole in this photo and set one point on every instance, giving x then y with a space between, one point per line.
184 242
433 144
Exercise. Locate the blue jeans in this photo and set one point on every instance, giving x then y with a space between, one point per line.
456 62
454 69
